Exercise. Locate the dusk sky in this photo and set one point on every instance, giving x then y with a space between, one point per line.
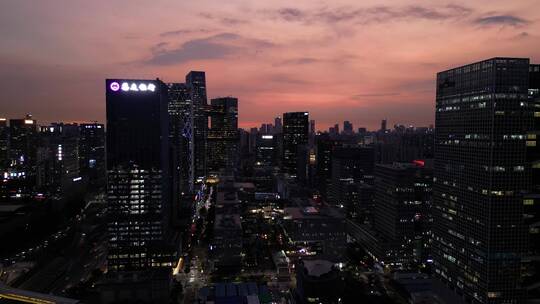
340 60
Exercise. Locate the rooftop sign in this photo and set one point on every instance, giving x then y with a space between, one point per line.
132 86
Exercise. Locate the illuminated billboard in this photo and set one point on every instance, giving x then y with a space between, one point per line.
131 86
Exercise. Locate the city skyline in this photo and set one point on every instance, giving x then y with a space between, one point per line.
264 152
188 199
274 58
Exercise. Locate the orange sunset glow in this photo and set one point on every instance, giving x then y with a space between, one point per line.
361 61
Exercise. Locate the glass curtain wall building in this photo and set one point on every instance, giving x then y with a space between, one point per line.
480 176
139 177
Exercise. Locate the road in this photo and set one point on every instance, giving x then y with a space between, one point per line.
197 277
196 261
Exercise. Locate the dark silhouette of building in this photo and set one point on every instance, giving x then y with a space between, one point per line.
305 164
351 166
226 245
4 143
402 215
348 128
531 202
139 176
480 160
383 125
196 82
323 159
92 152
312 132
58 159
266 151
181 119
19 173
295 133
223 137
404 145
22 142
278 125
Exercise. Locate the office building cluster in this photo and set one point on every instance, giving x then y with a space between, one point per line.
199 210
46 169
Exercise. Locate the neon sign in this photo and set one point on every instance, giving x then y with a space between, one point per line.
115 86
126 86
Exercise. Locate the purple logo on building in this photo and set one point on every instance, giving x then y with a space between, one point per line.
115 86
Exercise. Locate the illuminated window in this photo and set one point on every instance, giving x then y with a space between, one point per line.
492 295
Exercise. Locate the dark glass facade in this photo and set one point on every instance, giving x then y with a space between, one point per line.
265 155
139 181
480 174
223 137
350 167
58 157
196 82
22 139
295 133
323 159
4 141
531 202
181 121
402 215
92 151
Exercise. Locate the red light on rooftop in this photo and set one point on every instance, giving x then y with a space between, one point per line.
419 162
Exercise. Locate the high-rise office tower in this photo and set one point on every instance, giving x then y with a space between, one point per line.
253 133
22 142
196 82
19 147
23 138
92 151
58 158
295 133
336 128
402 215
278 125
181 120
243 139
383 125
265 128
323 159
139 181
4 140
223 135
265 155
312 133
332 132
531 202
347 128
351 167
480 174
